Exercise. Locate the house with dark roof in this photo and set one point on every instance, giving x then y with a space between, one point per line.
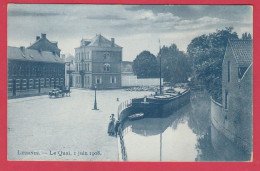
33 71
43 44
233 117
98 63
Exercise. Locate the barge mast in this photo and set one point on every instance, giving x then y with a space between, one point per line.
160 68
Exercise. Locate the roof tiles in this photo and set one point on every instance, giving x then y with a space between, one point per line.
101 41
243 51
15 53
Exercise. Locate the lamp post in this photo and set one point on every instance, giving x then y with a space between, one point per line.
95 101
82 73
68 64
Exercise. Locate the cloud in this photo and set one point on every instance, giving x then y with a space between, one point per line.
106 17
15 13
231 12
134 27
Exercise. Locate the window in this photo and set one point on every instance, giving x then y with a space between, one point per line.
10 84
98 79
52 82
42 81
226 99
24 84
78 79
20 71
36 83
228 71
57 82
33 71
18 84
61 81
113 79
31 84
87 68
77 67
106 67
106 55
47 84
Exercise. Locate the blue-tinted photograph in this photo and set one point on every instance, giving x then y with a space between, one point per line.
160 83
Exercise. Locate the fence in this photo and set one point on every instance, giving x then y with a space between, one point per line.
122 106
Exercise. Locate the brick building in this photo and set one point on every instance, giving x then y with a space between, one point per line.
35 69
43 44
69 69
98 62
234 116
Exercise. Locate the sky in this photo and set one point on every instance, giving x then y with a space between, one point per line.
134 27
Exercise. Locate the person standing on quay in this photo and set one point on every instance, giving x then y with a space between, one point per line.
117 127
111 127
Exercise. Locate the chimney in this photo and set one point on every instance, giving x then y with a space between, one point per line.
22 48
63 56
43 36
55 44
112 42
37 38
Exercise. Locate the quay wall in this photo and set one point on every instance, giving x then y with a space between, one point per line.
237 132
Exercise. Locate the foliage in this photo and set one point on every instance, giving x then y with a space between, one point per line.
207 53
175 64
145 65
246 36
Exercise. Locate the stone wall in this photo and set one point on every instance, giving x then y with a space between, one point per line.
241 139
132 80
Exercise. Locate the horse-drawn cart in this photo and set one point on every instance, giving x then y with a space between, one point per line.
59 91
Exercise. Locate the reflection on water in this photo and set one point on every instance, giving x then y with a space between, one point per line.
186 135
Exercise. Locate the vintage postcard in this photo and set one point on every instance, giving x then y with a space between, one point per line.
129 82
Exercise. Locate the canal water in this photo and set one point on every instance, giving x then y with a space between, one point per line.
186 135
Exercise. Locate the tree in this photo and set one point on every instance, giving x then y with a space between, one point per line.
175 65
246 36
145 65
207 53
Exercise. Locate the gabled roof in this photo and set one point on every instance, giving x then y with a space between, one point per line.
15 53
45 45
101 41
243 51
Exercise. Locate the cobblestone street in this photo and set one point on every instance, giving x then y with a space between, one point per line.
40 128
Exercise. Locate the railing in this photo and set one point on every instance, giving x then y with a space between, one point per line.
122 144
122 106
215 102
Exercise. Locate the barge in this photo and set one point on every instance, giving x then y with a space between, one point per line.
161 105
